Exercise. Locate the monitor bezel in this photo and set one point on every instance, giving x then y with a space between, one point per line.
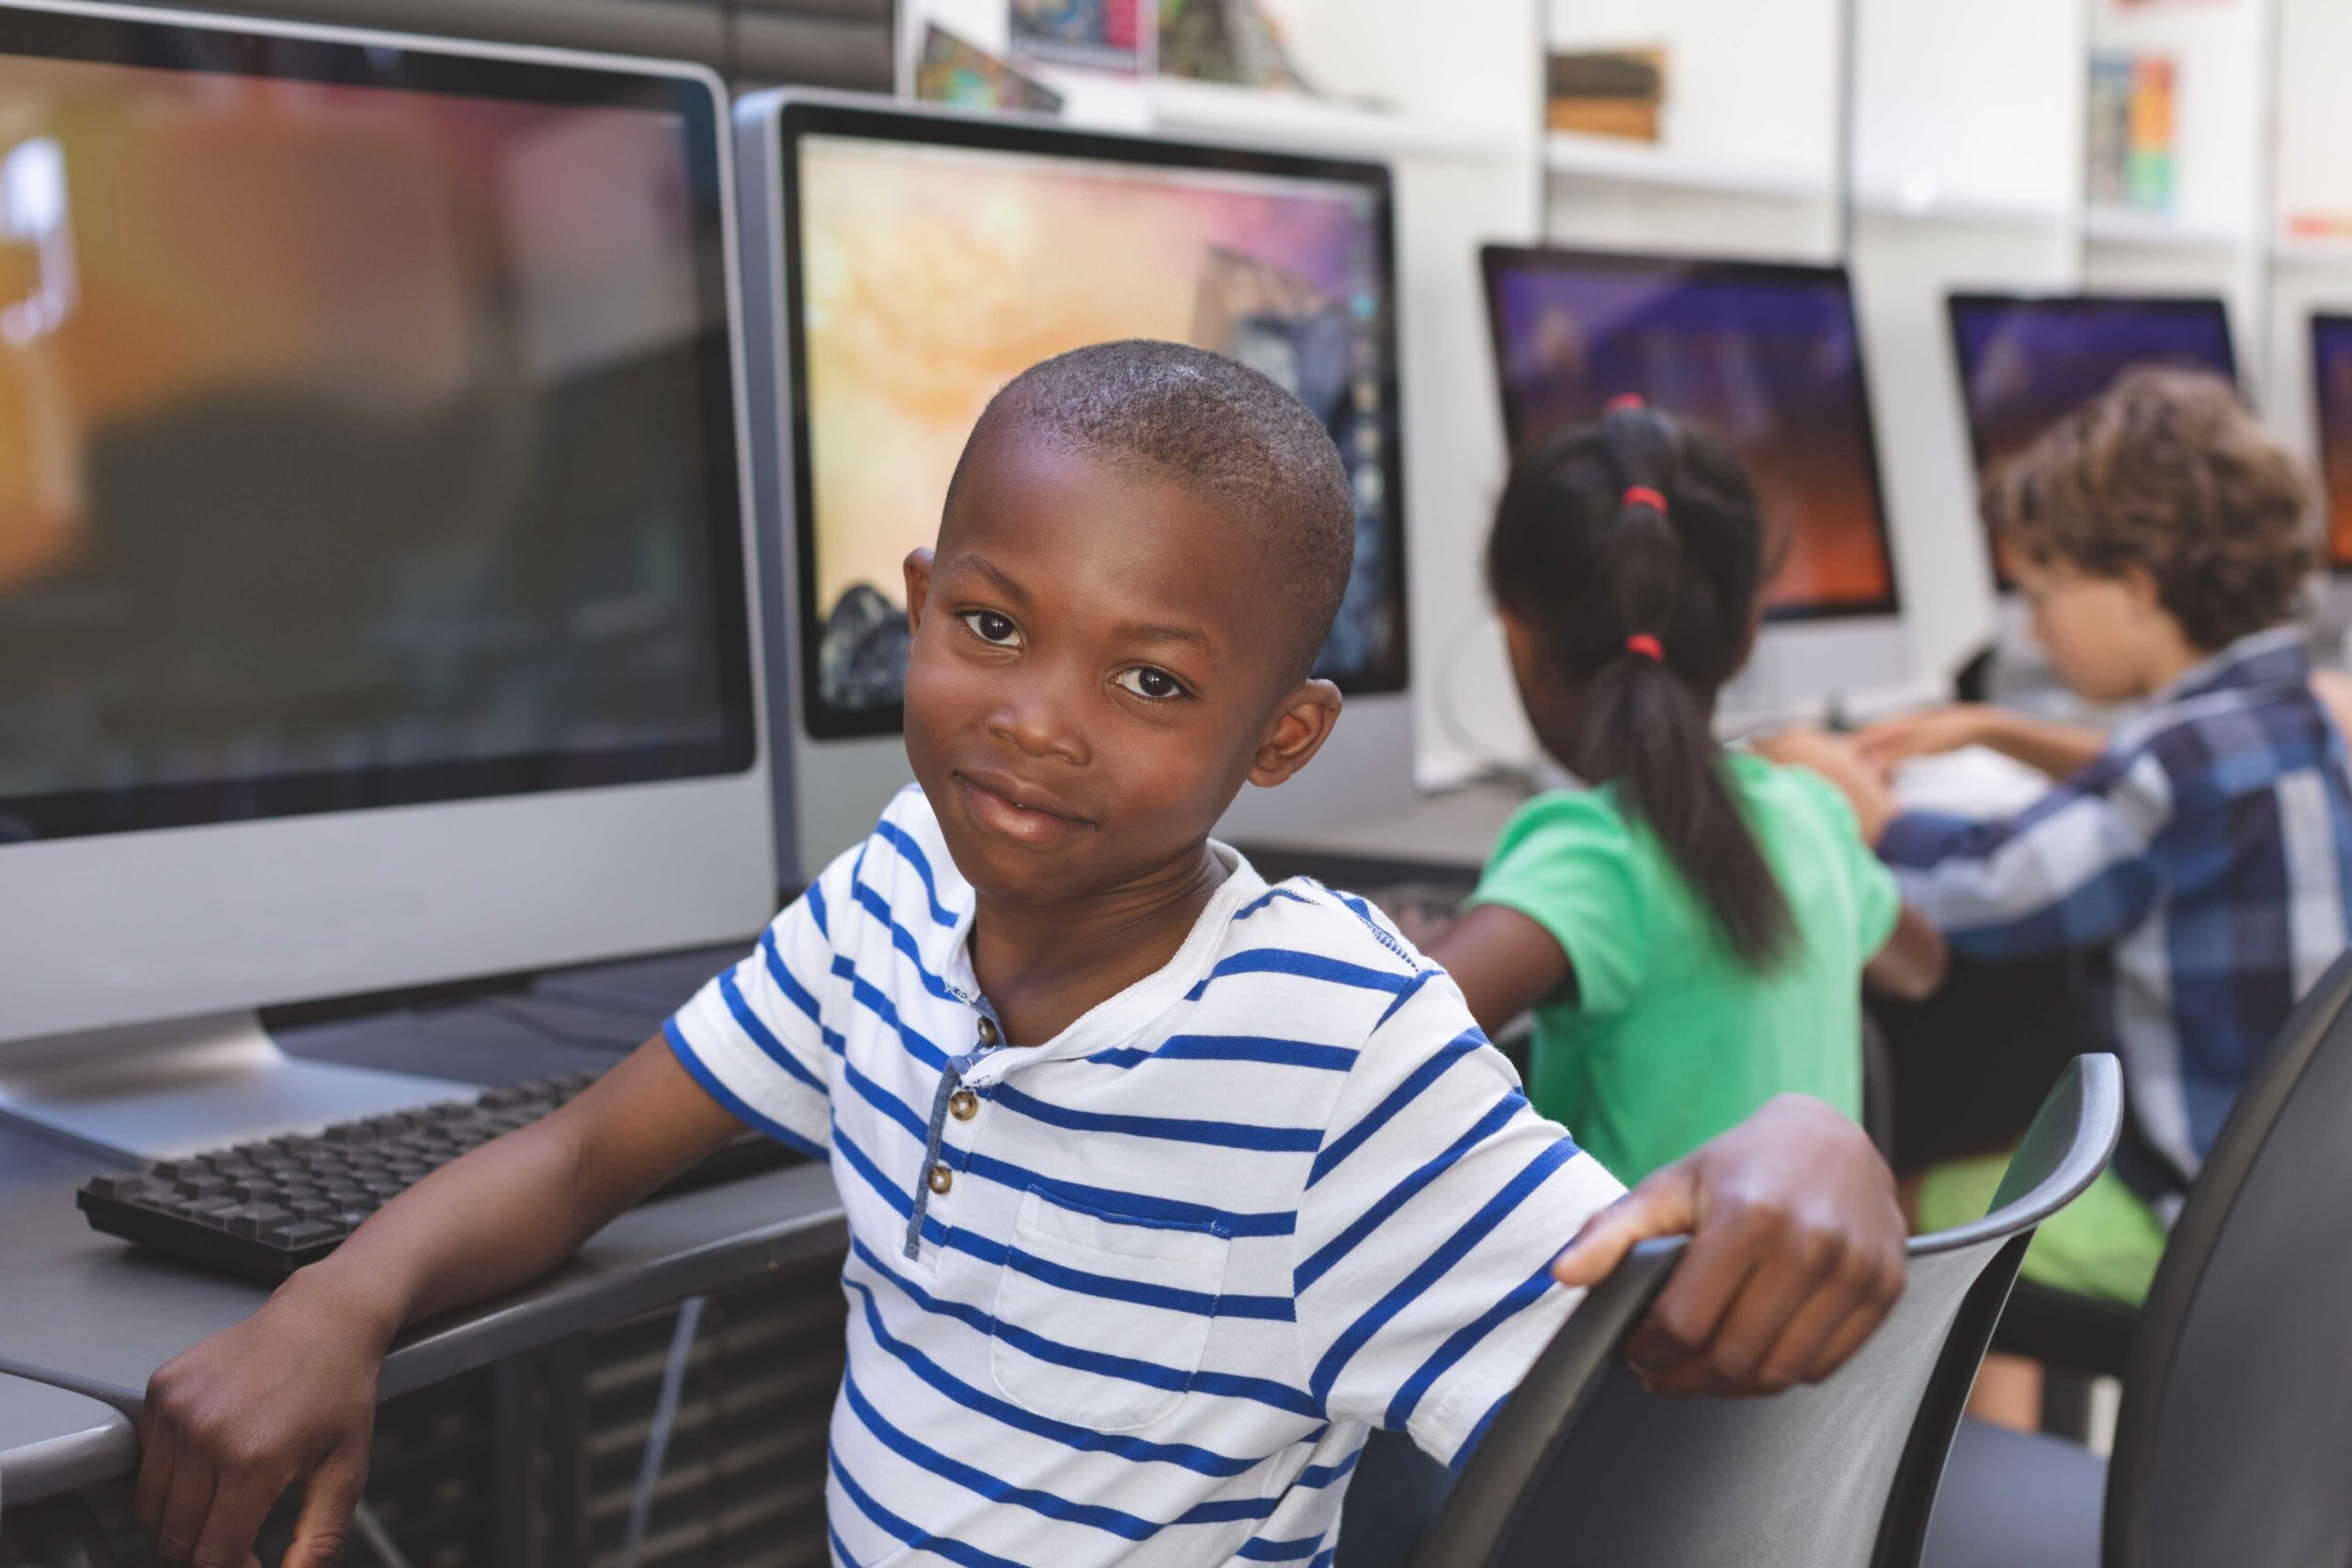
250 49
799 115
1494 259
2321 321
1959 302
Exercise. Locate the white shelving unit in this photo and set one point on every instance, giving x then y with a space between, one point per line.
1608 161
1746 161
1214 112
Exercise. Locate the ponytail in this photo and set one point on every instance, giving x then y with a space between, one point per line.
1632 550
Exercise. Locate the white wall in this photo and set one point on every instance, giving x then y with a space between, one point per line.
1968 127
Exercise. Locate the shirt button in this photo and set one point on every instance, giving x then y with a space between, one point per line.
941 1178
988 1032
963 1105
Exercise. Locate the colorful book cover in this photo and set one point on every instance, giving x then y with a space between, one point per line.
2151 163
953 70
1100 35
2107 143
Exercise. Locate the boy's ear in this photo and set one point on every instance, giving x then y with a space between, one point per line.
918 570
2145 595
1298 732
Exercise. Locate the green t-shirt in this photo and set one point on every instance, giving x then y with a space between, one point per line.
1665 1038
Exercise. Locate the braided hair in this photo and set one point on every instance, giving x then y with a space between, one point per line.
1631 551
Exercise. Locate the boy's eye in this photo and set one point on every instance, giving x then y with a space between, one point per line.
1156 685
997 631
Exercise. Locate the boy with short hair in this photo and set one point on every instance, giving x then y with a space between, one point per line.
2205 852
1163 1185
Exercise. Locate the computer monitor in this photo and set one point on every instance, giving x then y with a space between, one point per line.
2026 361
374 599
2332 389
1769 358
905 264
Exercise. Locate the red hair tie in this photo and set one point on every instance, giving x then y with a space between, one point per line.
1624 401
1643 495
1648 647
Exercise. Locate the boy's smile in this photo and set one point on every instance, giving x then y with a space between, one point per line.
1099 662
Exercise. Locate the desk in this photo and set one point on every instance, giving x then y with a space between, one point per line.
83 1312
1454 832
53 1441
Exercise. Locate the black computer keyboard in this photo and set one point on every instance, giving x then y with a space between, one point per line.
262 1211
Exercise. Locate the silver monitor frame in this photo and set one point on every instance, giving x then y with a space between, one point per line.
829 792
131 964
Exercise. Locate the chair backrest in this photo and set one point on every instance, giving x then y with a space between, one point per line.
2235 1440
1583 1465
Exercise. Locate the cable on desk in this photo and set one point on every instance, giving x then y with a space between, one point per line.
364 1519
665 1415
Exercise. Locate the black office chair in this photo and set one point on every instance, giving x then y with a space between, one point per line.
2235 1440
1585 1466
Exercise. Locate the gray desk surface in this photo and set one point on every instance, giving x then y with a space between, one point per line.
1457 829
53 1441
86 1313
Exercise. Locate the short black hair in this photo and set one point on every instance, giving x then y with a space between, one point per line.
1225 432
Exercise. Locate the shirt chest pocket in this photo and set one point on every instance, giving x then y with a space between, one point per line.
1102 1321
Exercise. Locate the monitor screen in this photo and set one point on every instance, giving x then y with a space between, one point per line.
2332 381
1768 357
367 428
937 257
2025 363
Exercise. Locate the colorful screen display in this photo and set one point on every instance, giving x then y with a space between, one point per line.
2331 382
937 259
366 431
1768 357
2027 363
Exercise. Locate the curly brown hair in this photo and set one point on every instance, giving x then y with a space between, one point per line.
2168 471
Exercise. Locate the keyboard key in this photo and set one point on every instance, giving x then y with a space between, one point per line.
302 1233
252 1219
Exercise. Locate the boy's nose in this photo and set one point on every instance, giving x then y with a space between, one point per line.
1034 716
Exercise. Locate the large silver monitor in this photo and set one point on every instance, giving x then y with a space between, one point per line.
375 588
1769 356
2026 361
904 263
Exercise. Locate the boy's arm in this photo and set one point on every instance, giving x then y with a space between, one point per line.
288 1396
2061 751
2073 870
1434 1215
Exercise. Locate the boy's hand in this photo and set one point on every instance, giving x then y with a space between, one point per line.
285 1397
1840 762
1795 1255
1895 742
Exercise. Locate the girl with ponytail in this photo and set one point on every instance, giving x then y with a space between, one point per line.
1692 928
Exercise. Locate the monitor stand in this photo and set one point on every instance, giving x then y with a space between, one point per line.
161 1091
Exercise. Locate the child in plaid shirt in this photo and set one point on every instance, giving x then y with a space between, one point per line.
2202 856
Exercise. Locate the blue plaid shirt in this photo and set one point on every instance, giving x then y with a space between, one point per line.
2205 858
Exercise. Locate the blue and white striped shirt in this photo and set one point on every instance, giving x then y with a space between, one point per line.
1136 1294
2205 859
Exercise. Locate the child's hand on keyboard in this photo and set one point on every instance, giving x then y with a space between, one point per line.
1839 761
1894 742
286 1398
